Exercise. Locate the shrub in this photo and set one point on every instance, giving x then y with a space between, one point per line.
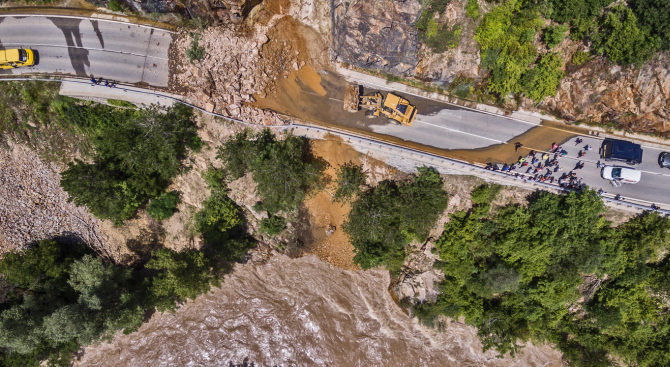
164 206
273 225
554 35
438 37
472 9
219 215
580 57
565 11
115 6
195 52
120 103
349 181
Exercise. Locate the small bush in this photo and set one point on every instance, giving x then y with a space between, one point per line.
485 194
196 52
115 5
472 9
580 57
120 103
164 206
273 225
554 35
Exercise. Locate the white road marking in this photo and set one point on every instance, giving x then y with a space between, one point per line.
460 132
85 48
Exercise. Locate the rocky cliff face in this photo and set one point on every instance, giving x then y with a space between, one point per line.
461 61
634 99
376 34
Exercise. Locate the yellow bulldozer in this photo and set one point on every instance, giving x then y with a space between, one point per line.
397 109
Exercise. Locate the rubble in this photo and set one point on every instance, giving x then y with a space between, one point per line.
418 280
228 77
33 207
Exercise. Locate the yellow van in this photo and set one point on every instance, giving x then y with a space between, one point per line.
16 57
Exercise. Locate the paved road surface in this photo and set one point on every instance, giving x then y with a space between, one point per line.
653 187
87 47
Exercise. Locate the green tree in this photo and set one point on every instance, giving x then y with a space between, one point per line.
520 272
654 15
181 276
620 38
350 180
137 154
164 206
553 35
472 9
543 80
285 171
383 219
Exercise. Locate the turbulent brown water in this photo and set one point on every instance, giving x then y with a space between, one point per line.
300 312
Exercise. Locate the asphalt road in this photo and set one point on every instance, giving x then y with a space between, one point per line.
652 188
90 48
446 127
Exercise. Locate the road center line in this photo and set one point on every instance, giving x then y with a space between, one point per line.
460 132
85 48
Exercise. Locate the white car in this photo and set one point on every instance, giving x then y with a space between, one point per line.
621 174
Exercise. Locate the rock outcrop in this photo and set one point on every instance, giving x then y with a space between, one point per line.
376 34
461 61
634 99
418 280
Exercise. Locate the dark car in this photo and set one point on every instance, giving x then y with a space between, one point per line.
664 159
621 150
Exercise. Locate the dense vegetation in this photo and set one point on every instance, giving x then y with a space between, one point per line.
508 36
28 115
55 297
285 171
385 218
136 155
555 270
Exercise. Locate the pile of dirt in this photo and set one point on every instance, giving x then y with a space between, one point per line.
244 62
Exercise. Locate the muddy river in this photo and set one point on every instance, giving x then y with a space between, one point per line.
300 312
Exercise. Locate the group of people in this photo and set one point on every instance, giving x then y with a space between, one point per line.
107 82
541 167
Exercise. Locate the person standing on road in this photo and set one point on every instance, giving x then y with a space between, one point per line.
600 165
106 83
517 145
93 80
578 141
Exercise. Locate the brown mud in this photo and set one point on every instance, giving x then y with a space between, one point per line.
317 98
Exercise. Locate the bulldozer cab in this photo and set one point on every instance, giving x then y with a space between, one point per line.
397 109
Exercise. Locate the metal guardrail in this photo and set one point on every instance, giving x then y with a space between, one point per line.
463 165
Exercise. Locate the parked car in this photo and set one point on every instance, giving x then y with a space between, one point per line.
621 174
664 160
621 150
